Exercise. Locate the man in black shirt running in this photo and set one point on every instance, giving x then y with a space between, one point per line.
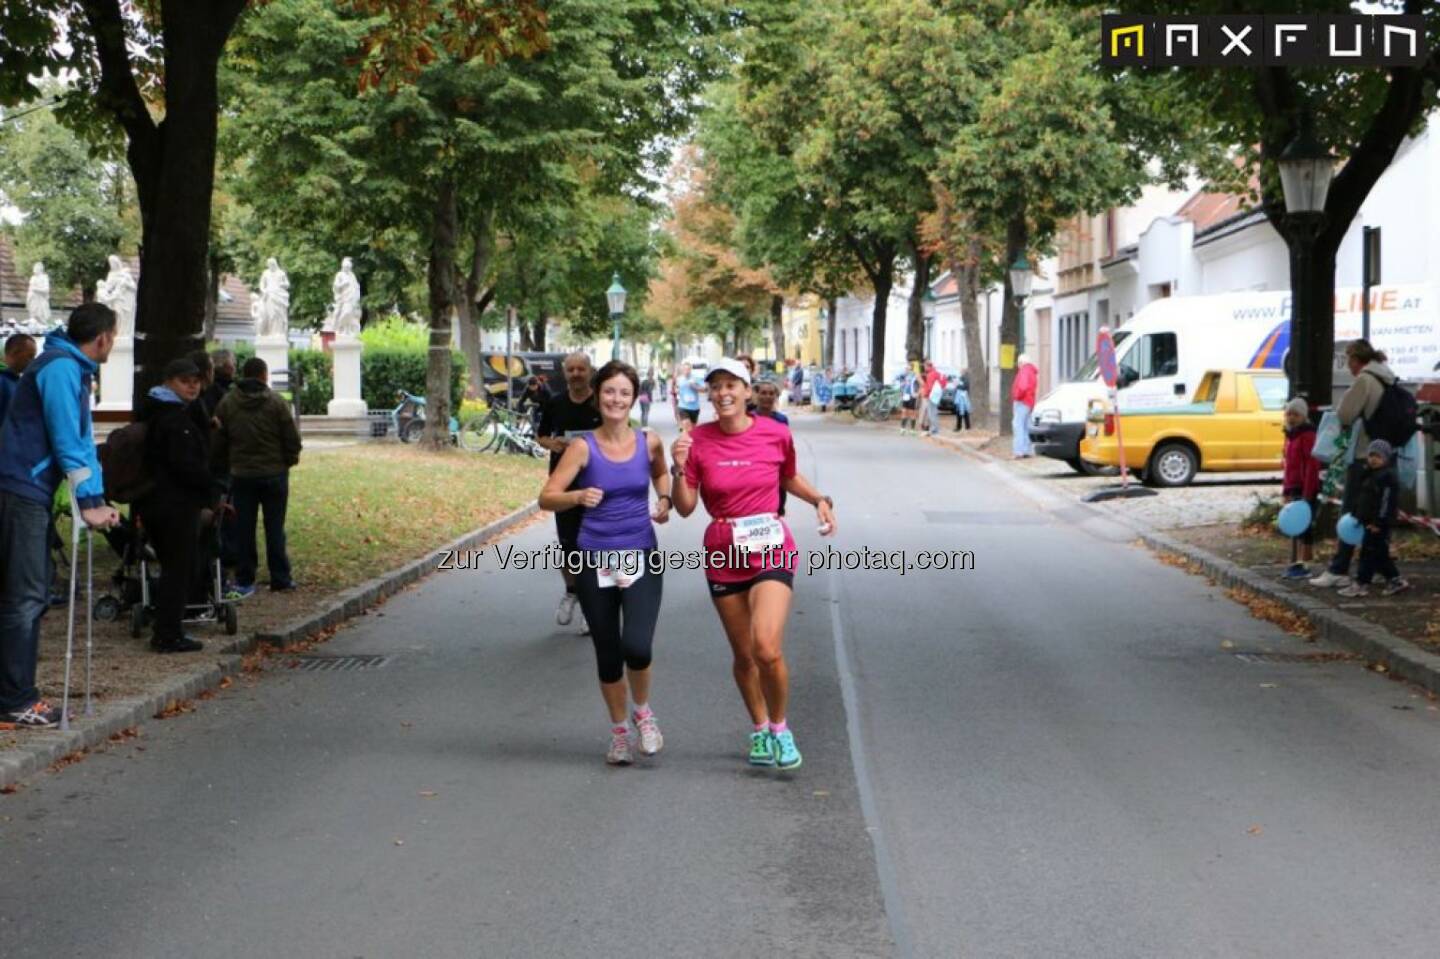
567 416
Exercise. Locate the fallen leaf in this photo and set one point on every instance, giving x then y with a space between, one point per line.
1254 830
9 790
399 842
1269 685
428 794
1226 644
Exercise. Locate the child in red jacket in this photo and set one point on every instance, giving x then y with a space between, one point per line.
1302 479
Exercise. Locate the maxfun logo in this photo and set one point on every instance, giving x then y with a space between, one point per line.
1247 40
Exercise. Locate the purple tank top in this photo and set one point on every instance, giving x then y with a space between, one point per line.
622 520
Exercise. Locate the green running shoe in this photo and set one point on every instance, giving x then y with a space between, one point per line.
762 749
786 755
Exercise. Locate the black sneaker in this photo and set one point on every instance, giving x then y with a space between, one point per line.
39 715
182 645
282 587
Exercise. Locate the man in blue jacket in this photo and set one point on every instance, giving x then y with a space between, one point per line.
46 438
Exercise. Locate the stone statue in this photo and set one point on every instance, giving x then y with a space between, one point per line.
272 307
117 291
37 296
344 317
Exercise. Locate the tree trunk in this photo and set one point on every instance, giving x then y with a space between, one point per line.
967 275
777 324
537 336
470 309
443 287
212 301
915 345
173 164
1312 296
882 283
832 311
1016 239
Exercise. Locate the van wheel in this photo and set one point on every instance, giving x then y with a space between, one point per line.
1173 464
1085 468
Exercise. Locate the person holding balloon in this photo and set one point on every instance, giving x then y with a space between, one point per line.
1300 488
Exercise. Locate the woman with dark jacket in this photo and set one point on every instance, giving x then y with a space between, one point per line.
177 456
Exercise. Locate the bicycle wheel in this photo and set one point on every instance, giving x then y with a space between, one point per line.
477 434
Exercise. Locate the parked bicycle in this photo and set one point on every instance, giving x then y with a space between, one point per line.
408 419
501 430
878 405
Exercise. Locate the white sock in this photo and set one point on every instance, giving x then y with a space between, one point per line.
623 726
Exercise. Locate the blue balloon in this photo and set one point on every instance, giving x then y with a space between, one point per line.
1350 530
1294 518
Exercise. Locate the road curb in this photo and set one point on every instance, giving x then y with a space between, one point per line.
1377 644
39 750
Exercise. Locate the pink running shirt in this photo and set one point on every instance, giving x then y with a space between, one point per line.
739 474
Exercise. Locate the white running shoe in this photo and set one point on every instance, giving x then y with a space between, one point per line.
619 754
651 742
1354 591
565 612
1328 579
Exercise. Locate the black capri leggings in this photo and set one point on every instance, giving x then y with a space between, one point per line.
621 621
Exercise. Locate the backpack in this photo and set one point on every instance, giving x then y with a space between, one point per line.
1394 419
122 464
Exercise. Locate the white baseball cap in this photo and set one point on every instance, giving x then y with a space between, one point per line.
732 366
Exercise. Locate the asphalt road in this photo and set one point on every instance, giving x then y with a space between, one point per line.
1048 755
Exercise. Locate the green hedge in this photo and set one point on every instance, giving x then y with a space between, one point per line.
382 372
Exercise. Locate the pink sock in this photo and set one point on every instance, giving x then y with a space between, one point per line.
619 729
642 711
781 727
762 727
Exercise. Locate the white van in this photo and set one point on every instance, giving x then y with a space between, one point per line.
1172 342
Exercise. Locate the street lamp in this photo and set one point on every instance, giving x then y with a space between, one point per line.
616 297
927 309
1306 169
1021 277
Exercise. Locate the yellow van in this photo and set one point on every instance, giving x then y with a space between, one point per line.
1234 422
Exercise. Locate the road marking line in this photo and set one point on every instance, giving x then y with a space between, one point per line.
884 864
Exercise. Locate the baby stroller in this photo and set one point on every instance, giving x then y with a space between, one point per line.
137 578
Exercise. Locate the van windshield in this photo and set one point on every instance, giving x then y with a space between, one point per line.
1092 365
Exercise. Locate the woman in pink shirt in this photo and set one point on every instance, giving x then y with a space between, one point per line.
737 465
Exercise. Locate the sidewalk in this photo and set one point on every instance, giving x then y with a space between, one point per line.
342 578
1203 527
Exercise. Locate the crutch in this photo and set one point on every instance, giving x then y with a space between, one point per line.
77 523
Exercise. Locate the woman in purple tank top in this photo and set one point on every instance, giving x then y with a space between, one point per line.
612 469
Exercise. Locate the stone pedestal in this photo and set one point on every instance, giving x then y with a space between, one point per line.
275 351
345 352
117 377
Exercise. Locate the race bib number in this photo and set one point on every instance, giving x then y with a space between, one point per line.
629 570
758 533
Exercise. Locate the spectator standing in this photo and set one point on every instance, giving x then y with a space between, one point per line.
19 351
533 400
962 402
217 387
569 416
1301 480
177 457
46 436
932 389
647 396
767 398
1377 501
223 362
1022 394
909 400
1360 402
258 445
